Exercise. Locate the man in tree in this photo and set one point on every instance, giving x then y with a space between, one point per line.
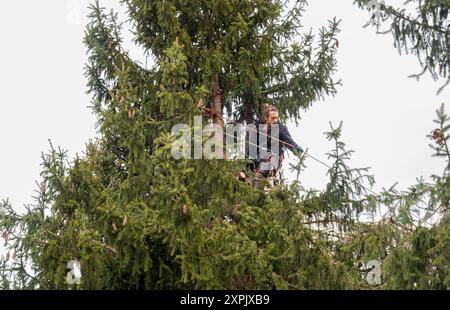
271 133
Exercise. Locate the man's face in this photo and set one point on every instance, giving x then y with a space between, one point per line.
273 118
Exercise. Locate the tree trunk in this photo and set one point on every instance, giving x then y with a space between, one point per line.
217 108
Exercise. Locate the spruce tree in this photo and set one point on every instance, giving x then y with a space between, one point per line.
419 27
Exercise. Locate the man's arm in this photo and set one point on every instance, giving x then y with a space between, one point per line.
285 137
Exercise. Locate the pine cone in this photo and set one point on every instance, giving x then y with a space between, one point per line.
131 114
200 104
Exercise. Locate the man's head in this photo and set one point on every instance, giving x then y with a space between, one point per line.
270 114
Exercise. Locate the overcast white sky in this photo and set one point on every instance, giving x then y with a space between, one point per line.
386 115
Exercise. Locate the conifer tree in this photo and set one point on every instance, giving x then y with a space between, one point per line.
419 27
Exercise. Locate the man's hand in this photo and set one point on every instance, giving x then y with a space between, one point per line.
298 151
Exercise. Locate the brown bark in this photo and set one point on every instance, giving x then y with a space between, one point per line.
217 101
217 115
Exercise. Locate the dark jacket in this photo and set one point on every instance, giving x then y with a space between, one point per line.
265 142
